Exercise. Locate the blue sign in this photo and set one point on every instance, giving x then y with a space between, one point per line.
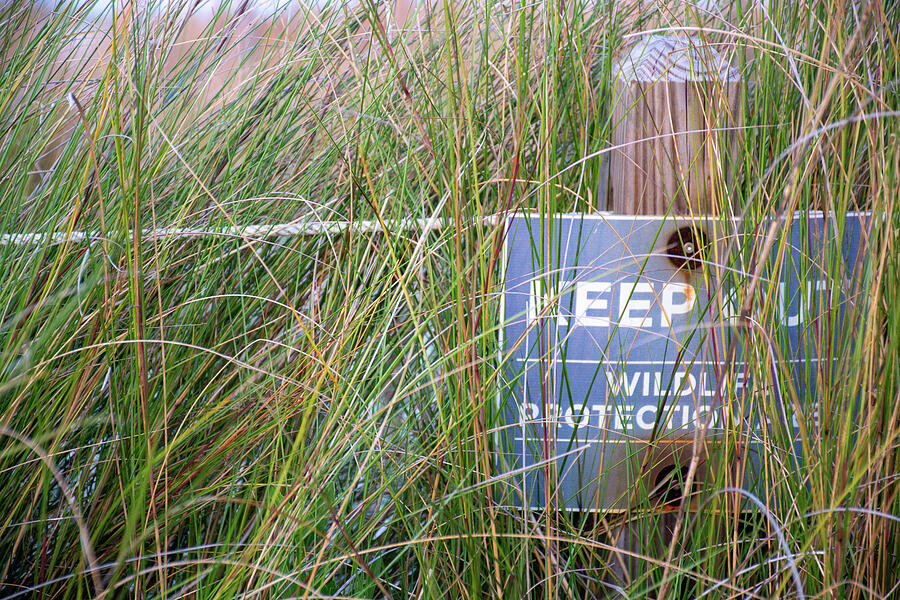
622 335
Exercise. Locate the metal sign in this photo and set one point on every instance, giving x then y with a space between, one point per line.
621 336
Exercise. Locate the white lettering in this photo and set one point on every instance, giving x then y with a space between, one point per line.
621 418
640 421
628 304
585 302
543 305
729 306
670 307
700 413
617 382
576 416
529 411
784 304
678 383
707 388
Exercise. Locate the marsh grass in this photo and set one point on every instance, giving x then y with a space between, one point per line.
224 415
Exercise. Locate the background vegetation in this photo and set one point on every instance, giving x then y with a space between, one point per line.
215 413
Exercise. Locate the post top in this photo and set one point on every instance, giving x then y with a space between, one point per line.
674 58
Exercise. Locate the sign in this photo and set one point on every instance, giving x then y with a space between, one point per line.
622 335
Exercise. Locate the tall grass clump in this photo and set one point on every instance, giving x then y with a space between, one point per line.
195 403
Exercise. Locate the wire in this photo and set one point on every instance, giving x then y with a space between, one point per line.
294 228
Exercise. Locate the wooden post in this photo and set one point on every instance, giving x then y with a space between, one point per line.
677 103
675 100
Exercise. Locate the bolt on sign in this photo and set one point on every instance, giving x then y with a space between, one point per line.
622 336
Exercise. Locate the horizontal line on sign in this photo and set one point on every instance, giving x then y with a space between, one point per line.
558 441
616 511
610 216
626 362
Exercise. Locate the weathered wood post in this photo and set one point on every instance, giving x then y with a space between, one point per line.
675 99
676 117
